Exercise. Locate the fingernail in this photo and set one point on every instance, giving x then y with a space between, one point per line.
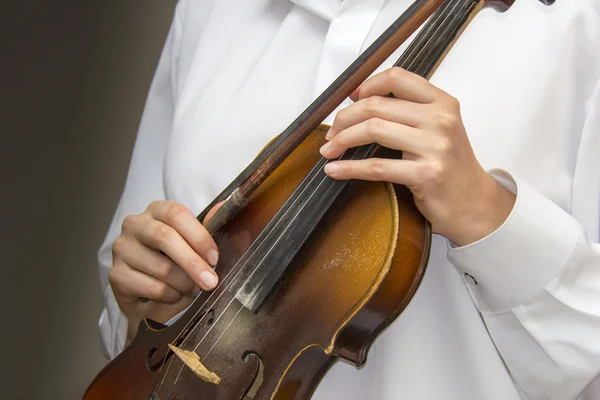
328 135
209 280
325 147
332 169
197 290
212 257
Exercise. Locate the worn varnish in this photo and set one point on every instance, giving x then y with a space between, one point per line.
356 272
331 305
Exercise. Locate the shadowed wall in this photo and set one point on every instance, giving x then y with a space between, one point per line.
74 79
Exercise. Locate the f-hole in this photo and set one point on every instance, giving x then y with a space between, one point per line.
258 378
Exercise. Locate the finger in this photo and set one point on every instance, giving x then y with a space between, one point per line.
388 134
374 169
402 84
135 284
143 259
161 236
354 95
393 110
185 223
213 211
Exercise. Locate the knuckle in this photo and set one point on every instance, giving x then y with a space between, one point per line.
154 204
159 290
446 121
164 270
161 234
443 146
119 245
453 103
435 174
376 169
374 127
396 74
371 104
175 212
128 223
114 278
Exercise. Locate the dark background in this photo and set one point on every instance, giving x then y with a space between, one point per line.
74 76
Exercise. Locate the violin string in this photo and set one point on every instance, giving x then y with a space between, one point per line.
201 340
242 307
302 186
412 63
255 269
325 178
311 175
280 236
214 291
448 15
435 19
457 3
220 336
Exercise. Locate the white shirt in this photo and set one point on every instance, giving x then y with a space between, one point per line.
235 73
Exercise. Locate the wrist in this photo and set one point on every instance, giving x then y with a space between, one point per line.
483 212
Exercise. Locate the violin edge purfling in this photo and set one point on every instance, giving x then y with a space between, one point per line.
268 367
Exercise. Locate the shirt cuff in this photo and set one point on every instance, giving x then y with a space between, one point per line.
523 255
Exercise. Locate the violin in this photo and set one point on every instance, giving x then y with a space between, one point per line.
312 269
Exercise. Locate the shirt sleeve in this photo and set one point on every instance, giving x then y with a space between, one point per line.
536 282
144 182
536 279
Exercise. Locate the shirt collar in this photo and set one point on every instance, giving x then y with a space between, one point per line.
325 9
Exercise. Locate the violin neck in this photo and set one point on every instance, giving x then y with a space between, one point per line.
422 56
438 36
238 191
299 216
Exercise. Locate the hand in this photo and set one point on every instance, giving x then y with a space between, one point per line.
438 165
169 281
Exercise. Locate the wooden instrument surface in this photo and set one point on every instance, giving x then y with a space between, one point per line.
369 256
358 269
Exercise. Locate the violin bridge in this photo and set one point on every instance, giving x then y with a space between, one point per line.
192 360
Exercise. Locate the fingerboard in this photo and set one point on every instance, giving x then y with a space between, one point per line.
273 251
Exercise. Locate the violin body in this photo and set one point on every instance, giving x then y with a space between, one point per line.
350 280
311 269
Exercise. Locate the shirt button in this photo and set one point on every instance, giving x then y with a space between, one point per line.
470 280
